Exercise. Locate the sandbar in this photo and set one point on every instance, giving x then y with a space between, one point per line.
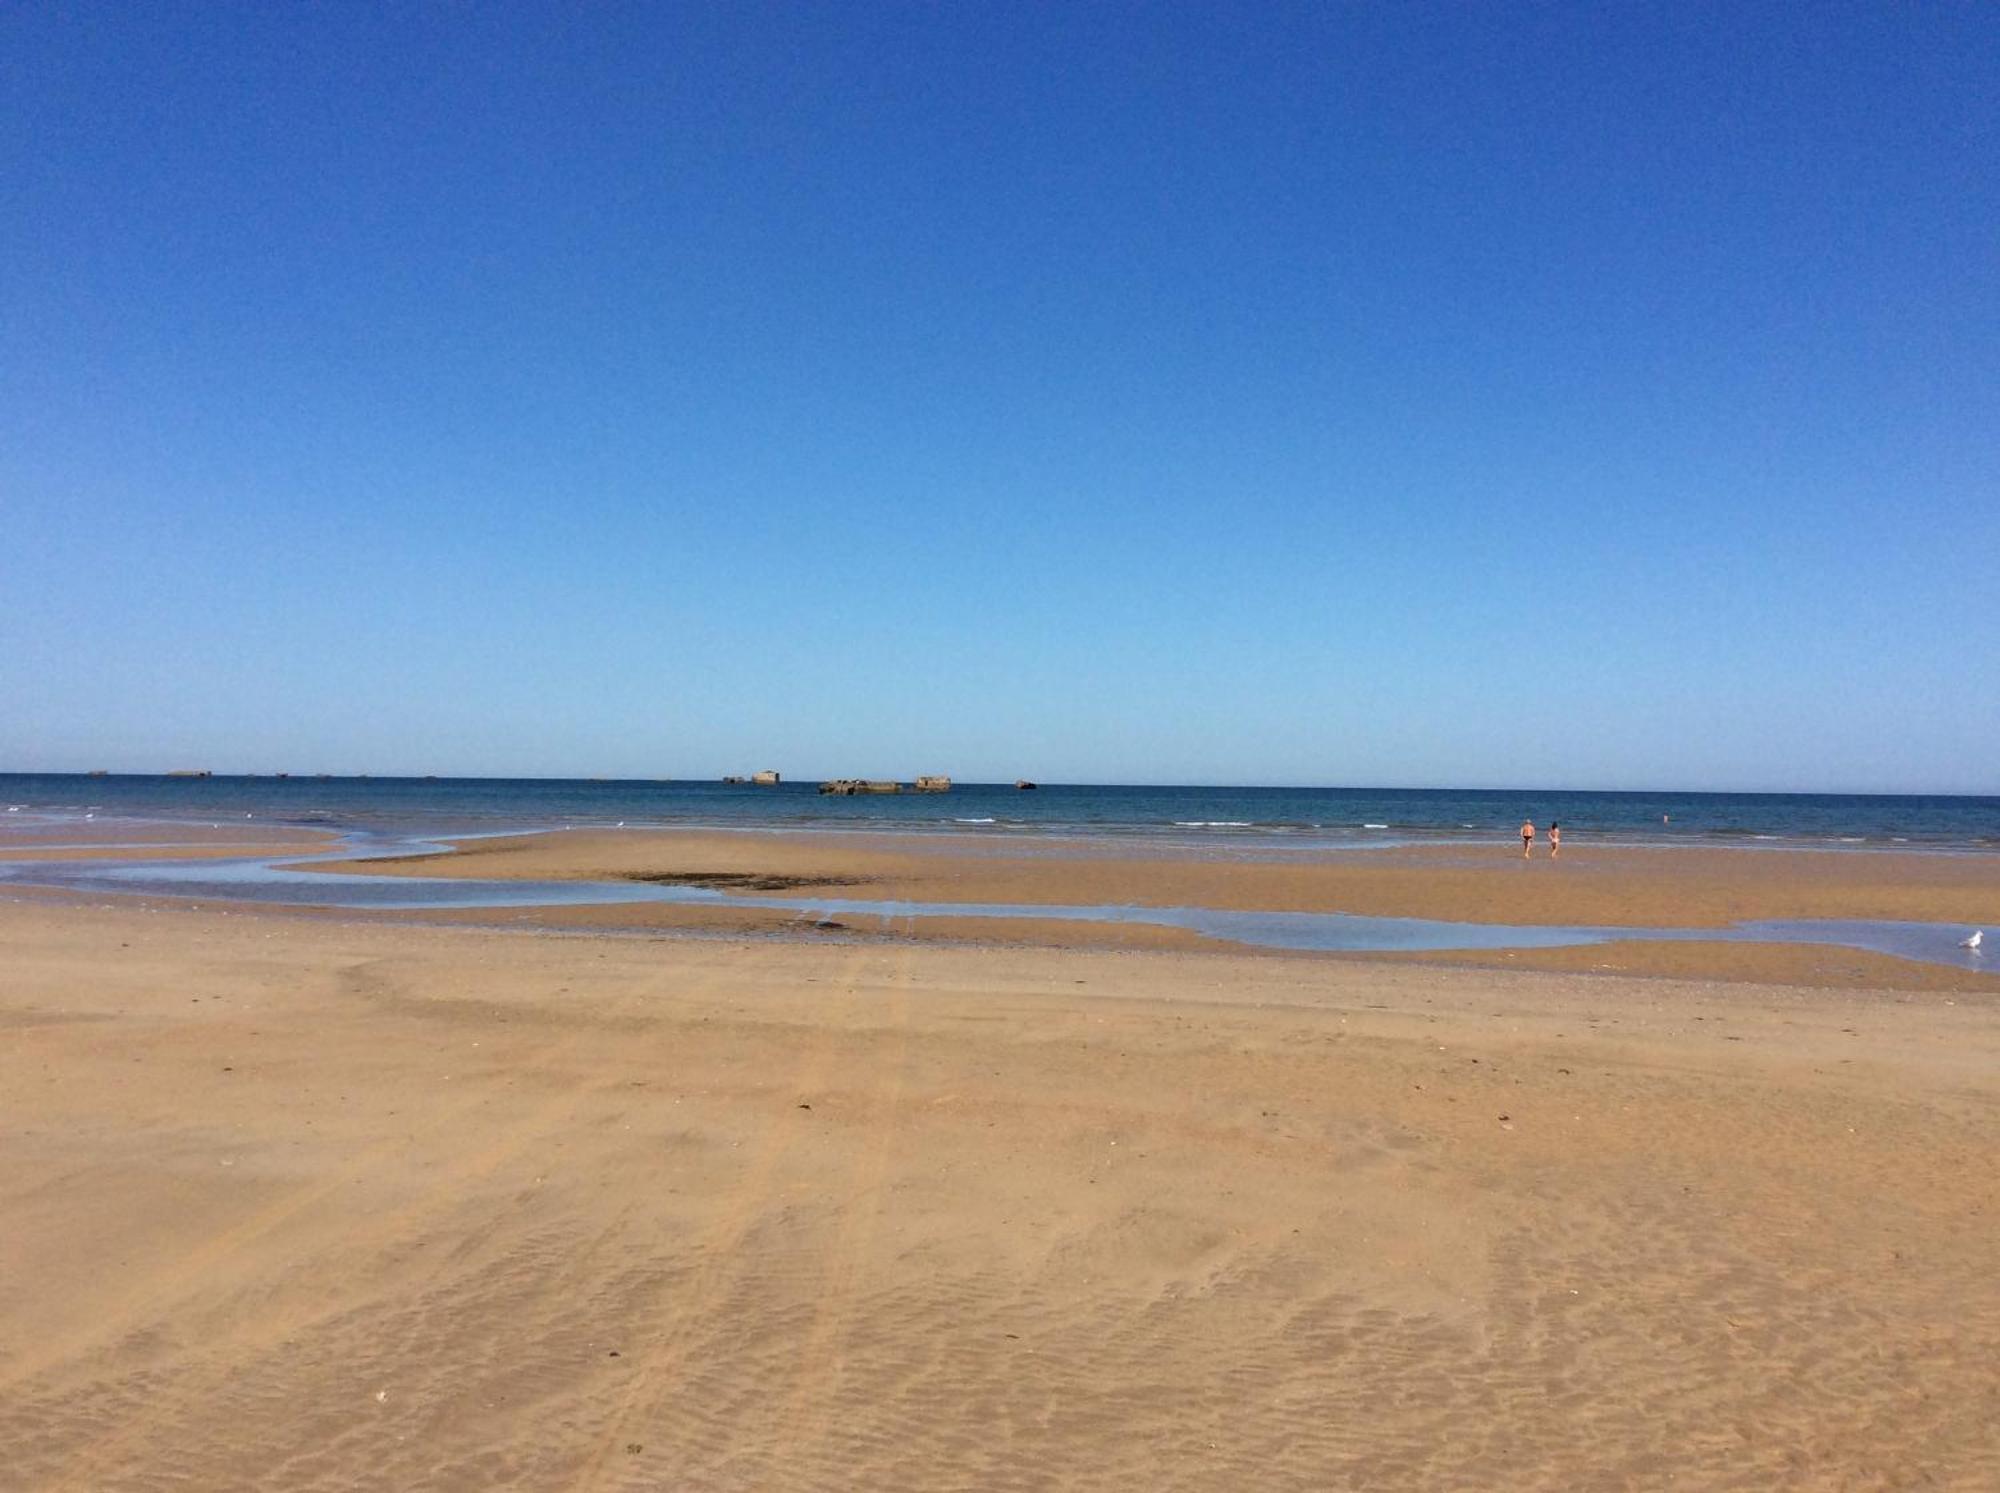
1614 886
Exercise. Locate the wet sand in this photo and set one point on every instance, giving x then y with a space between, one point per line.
320 1203
1654 888
95 839
1642 888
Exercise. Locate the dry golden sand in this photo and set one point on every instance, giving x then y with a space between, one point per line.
297 1203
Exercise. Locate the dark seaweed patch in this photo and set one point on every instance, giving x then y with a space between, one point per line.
737 881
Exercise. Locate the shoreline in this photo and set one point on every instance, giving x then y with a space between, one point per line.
1054 893
375 807
1812 967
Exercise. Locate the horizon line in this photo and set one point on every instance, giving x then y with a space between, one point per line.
188 775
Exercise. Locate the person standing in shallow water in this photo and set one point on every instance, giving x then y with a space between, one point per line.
1527 838
1555 839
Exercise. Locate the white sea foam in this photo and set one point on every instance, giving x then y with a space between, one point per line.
1374 826
1211 824
975 821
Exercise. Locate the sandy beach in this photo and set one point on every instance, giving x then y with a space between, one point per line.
786 749
1589 885
315 1202
1644 887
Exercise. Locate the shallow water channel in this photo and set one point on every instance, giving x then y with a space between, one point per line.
262 880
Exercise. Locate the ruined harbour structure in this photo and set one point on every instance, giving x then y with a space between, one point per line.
848 787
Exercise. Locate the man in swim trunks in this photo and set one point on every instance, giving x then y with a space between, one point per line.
1527 838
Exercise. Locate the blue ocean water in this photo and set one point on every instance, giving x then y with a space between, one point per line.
1274 818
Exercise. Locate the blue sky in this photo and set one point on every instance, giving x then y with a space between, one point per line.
1548 395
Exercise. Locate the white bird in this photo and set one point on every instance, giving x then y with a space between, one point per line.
1973 942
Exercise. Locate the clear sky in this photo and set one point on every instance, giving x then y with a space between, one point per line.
1554 395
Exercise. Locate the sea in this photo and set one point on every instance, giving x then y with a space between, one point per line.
1275 819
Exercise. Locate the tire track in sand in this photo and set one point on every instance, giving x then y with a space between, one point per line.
718 1253
814 1398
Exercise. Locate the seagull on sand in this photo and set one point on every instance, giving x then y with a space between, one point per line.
1978 934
